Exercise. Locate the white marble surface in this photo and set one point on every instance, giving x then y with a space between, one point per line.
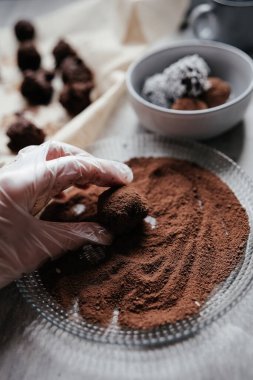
32 349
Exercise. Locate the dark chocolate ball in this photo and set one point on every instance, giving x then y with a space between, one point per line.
218 92
61 51
75 97
188 104
36 88
121 209
28 57
24 30
23 133
74 70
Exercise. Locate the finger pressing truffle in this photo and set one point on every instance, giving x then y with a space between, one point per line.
121 209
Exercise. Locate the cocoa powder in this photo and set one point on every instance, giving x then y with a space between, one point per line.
164 270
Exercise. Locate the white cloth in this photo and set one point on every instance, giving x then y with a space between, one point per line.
108 35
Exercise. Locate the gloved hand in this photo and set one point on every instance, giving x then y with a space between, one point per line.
26 185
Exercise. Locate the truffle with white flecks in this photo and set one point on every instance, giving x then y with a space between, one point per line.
154 90
186 77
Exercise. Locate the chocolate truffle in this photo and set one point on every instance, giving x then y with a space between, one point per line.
188 104
75 97
61 51
23 133
28 58
187 77
218 93
121 209
36 88
154 90
24 30
74 70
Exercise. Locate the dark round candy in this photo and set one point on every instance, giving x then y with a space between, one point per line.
74 70
61 51
28 57
189 104
36 88
121 209
75 97
23 133
24 30
218 93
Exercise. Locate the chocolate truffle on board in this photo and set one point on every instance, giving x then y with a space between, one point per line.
218 93
36 87
75 97
74 70
188 104
121 209
28 57
61 51
24 30
22 133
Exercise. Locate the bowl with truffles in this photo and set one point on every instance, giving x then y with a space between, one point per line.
191 89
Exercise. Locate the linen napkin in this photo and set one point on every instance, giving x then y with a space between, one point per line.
108 35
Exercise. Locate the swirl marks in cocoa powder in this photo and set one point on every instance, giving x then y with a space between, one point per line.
163 274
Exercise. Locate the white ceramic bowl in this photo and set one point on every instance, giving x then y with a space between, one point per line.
225 61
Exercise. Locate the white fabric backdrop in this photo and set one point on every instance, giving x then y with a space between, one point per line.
221 352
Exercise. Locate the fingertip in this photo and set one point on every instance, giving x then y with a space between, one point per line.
125 172
105 238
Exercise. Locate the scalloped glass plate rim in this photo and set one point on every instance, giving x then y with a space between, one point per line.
223 299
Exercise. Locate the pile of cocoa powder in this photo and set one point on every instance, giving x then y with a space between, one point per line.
166 269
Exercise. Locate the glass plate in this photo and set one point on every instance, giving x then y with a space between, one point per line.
226 296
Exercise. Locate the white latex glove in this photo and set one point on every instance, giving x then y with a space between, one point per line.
26 185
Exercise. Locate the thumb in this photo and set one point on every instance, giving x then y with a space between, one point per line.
44 240
57 238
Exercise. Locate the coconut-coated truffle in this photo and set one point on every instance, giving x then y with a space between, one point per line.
154 90
121 209
218 93
186 77
75 97
36 87
24 30
22 133
188 104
